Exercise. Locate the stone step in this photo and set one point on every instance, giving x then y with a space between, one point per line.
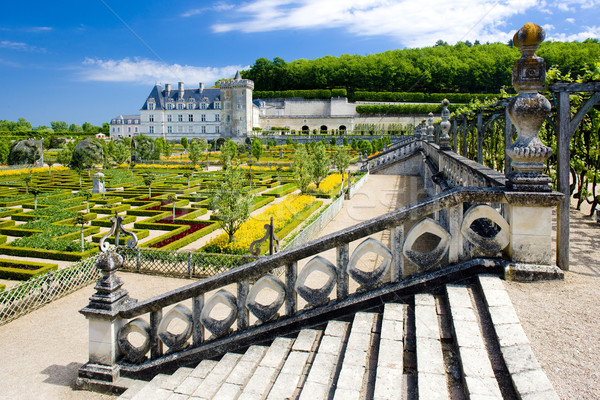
527 376
390 363
242 372
264 376
353 378
153 390
195 378
477 373
431 368
321 376
215 378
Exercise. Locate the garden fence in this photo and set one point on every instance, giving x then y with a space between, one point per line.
179 263
40 290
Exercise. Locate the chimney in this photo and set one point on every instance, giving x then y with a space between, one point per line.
201 87
181 90
168 88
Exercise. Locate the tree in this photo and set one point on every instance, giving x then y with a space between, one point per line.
78 171
80 220
148 179
194 152
145 147
257 148
59 126
27 180
121 152
301 168
65 155
187 175
172 197
75 128
87 195
341 162
232 202
320 164
184 142
4 151
35 191
87 153
228 153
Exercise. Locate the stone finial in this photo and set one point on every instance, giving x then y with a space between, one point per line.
109 294
445 126
430 127
527 111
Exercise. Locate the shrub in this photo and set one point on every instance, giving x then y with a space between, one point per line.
23 270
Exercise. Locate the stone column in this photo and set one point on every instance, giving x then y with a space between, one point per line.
98 183
530 224
429 136
104 322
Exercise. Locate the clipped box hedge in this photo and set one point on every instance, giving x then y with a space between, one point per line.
106 222
212 226
48 254
23 270
2 288
140 233
281 191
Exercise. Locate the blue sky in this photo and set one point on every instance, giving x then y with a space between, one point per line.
92 60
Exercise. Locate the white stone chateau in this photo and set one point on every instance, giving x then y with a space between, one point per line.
229 111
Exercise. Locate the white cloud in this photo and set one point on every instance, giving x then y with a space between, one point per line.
588 32
41 29
144 71
20 46
570 20
411 23
221 6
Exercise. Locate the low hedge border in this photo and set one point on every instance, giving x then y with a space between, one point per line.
90 230
107 223
12 269
184 240
140 233
8 212
261 201
300 218
3 239
281 190
48 254
20 232
107 210
178 229
2 288
5 223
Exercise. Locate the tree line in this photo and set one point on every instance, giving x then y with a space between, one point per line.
460 68
24 126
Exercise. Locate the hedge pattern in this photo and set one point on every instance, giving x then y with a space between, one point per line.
409 97
388 109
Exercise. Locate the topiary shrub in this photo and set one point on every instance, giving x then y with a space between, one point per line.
25 152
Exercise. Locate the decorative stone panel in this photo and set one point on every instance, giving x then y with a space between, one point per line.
426 260
369 278
135 354
215 326
488 245
261 311
319 296
171 340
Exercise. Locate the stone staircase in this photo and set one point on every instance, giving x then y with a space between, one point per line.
463 342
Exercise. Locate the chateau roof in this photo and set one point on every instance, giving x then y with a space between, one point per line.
161 98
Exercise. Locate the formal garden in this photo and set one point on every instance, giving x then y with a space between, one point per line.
214 205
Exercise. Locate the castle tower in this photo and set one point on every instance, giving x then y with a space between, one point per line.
236 96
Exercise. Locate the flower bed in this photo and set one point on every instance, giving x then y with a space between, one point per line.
23 270
328 187
290 211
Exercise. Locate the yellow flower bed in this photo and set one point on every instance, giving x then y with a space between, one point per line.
9 172
283 213
327 185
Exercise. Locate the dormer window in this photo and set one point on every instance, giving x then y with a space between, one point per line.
180 106
217 105
190 106
170 106
203 106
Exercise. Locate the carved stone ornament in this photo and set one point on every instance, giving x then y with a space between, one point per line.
369 278
430 259
135 354
215 326
445 126
488 245
261 311
171 340
527 111
430 128
316 297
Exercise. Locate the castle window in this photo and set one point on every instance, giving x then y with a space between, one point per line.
190 106
180 106
203 106
217 117
151 129
150 106
169 129
129 129
169 118
228 118
151 118
203 117
190 117
180 129
136 129
217 106
203 129
180 118
191 129
217 129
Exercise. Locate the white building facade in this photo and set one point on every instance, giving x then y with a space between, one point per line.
124 126
211 113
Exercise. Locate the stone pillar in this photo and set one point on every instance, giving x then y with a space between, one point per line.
445 126
104 321
530 224
98 182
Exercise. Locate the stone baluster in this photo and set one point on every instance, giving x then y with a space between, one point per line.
445 126
429 136
530 225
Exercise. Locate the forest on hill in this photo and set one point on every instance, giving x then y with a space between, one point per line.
462 68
